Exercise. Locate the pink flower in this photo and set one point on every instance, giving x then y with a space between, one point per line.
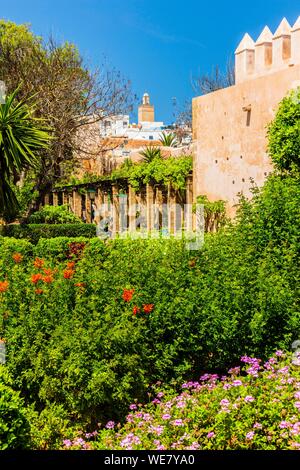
147 417
194 446
178 422
257 426
279 353
110 425
210 435
180 404
156 401
250 435
237 383
133 407
297 405
284 425
297 395
224 402
227 386
160 394
249 399
67 443
158 430
166 416
234 370
284 370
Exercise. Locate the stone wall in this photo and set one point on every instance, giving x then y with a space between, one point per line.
230 125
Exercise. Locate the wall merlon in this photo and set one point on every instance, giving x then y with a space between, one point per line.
270 52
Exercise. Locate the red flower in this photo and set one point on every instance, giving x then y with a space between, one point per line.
35 278
80 284
70 264
38 263
48 272
136 310
68 273
148 308
38 291
17 257
48 279
4 286
127 294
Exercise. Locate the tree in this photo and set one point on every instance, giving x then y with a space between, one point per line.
284 134
216 80
21 138
69 97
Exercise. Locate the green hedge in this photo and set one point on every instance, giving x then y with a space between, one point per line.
33 232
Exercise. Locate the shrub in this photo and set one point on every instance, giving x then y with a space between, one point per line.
33 232
54 215
257 409
59 248
14 425
284 134
93 331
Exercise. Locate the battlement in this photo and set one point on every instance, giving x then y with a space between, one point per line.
270 53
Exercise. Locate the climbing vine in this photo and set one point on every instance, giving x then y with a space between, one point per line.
167 171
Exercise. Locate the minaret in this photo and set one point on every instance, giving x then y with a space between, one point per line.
244 59
263 50
146 110
282 44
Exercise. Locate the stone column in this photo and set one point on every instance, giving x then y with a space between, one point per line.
149 207
189 216
132 209
171 209
115 210
76 203
46 199
158 208
55 199
88 209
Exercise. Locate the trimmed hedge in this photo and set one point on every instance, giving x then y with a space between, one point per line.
33 232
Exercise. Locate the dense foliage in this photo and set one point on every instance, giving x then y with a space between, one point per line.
54 215
253 407
91 325
33 232
165 171
14 424
284 134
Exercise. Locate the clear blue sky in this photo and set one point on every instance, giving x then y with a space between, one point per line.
157 44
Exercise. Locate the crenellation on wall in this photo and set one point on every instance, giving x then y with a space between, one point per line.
270 53
245 58
295 42
263 51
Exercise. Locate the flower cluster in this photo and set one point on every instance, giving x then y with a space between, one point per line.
243 410
127 296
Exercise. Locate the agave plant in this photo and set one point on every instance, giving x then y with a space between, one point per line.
168 140
21 137
150 153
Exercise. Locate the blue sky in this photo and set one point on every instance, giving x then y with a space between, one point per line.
158 44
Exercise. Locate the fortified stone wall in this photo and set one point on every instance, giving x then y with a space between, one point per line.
230 125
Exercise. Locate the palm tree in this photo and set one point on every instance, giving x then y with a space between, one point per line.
21 137
150 153
168 140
